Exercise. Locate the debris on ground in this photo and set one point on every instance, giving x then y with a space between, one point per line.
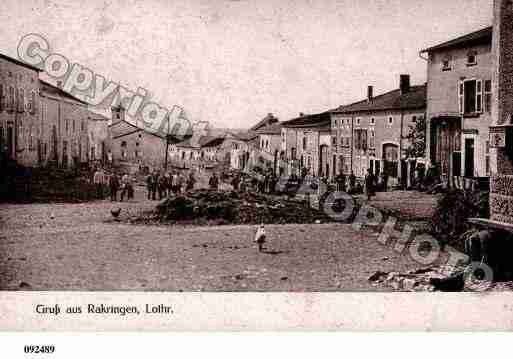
212 207
439 278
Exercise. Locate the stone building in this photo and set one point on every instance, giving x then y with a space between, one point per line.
269 140
196 150
20 125
63 138
370 134
459 92
306 144
132 147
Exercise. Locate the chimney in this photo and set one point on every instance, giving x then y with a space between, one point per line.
370 93
404 84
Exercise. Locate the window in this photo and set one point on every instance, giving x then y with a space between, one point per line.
304 143
390 120
123 149
67 126
446 63
372 121
358 122
73 122
334 141
11 101
21 100
31 139
471 96
471 58
31 102
371 139
335 123
82 125
2 104
488 96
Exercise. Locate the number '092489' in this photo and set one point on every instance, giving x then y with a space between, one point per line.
39 349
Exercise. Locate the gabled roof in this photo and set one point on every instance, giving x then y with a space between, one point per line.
266 121
56 91
19 63
124 128
413 100
274 129
320 120
482 36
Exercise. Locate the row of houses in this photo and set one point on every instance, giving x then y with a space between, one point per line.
42 125
373 133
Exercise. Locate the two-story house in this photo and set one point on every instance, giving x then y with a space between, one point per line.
371 134
19 111
306 144
459 97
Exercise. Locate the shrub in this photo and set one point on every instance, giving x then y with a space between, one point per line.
450 219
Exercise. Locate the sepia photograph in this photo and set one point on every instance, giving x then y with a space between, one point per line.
256 146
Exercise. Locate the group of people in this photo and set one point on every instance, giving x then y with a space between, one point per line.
160 185
115 184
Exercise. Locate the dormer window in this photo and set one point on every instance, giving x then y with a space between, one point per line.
472 58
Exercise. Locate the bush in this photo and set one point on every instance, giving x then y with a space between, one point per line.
450 220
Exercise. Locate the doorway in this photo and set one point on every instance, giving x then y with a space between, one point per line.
10 142
469 157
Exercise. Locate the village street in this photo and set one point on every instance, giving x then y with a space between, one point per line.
83 248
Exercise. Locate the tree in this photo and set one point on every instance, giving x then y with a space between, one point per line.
416 139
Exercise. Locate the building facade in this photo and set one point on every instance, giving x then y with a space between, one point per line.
63 138
19 111
459 105
306 145
371 134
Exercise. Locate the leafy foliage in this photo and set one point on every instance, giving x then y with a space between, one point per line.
417 139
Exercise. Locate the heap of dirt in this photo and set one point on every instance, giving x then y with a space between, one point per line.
204 206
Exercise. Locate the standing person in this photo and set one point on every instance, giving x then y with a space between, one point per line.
214 182
385 181
352 181
191 181
162 186
125 184
370 182
341 182
114 187
179 181
98 183
235 182
149 185
154 185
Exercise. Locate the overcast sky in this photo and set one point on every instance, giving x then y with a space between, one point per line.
232 62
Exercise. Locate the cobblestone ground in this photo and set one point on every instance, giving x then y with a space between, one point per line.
82 248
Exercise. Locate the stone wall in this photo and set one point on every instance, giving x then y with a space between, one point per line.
501 198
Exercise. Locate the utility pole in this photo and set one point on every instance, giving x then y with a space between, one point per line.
167 144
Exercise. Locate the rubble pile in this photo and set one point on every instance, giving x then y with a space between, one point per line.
439 278
204 206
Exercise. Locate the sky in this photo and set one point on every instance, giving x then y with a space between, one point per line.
232 62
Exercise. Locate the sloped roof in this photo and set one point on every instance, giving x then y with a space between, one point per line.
56 91
393 100
477 37
124 128
319 120
274 129
97 117
20 63
245 136
266 121
203 141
